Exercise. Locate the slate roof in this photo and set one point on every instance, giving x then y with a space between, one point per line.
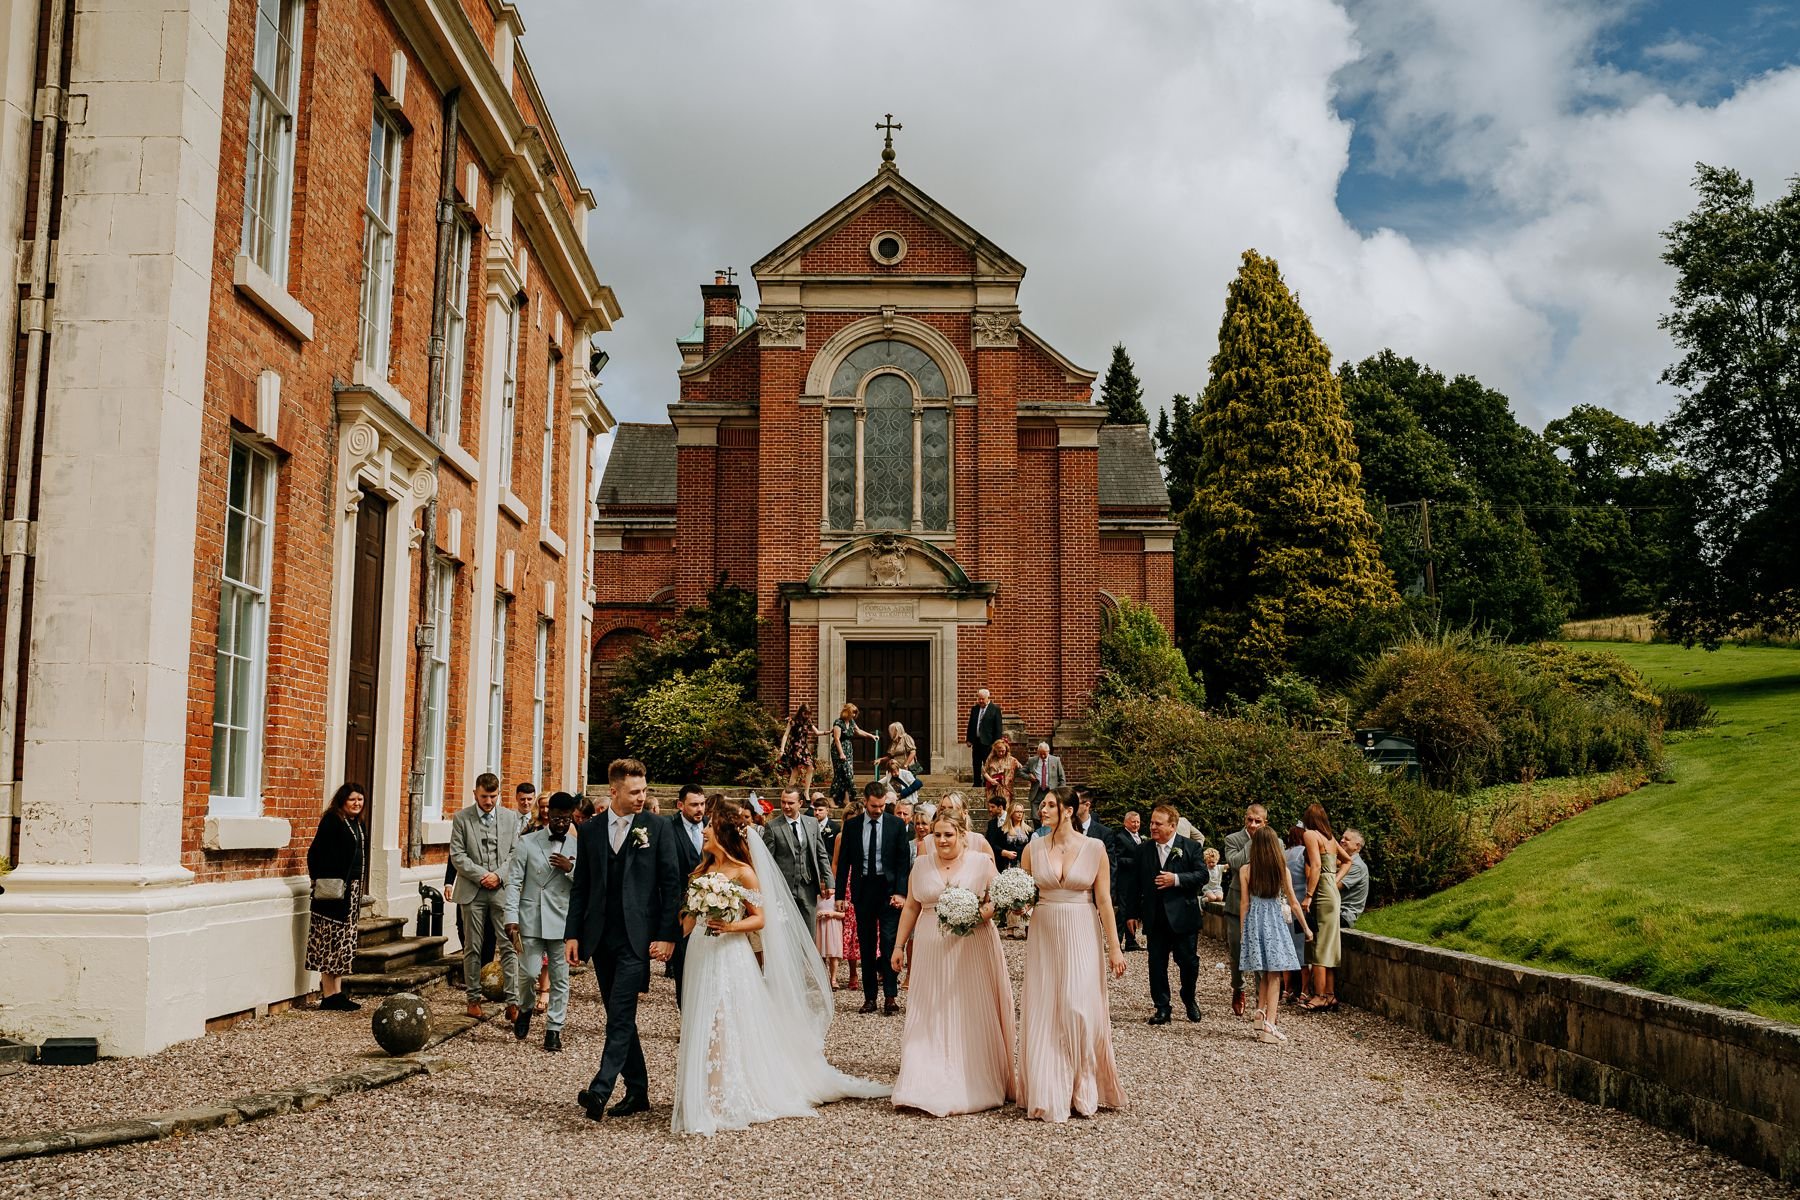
640 471
1129 474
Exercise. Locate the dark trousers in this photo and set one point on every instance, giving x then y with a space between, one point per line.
1123 919
1164 941
622 974
877 928
677 961
1234 946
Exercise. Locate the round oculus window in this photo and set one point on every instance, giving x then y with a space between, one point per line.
887 248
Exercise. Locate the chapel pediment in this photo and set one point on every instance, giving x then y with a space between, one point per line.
891 563
844 240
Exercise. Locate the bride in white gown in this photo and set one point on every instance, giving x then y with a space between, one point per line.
753 1040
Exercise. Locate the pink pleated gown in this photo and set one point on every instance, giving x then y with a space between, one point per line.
956 1049
1065 1020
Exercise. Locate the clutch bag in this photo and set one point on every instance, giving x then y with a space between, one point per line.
329 889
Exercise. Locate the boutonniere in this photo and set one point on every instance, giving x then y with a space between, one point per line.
640 837
1175 852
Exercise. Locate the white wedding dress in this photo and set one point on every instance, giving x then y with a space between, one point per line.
753 1040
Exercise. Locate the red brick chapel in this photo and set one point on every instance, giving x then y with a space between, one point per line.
918 488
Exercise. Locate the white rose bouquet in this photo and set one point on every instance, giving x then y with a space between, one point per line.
712 897
958 911
1013 890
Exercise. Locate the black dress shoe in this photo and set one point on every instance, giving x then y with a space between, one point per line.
522 1025
634 1102
592 1103
868 1006
553 1040
1133 948
891 1007
1193 1011
1161 1018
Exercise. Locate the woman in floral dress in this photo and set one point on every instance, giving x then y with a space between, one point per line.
795 761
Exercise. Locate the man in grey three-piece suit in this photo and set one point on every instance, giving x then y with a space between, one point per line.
482 838
537 911
1046 771
798 850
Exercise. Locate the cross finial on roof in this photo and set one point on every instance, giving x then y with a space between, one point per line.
725 275
887 149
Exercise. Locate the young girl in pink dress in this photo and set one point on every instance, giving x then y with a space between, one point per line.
1065 1020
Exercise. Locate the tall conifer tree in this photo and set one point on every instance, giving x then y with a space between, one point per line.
1283 557
1122 394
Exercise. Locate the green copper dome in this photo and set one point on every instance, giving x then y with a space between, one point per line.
696 335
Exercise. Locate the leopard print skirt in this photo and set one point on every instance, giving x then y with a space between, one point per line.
331 944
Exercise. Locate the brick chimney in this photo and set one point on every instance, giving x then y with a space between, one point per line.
721 297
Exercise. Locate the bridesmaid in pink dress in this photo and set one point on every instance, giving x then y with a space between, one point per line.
1065 1020
956 1049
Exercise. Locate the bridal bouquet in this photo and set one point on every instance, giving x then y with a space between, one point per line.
1013 890
713 897
958 911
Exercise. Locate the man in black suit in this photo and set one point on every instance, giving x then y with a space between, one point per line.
1171 876
829 827
624 913
1127 885
871 870
983 732
688 822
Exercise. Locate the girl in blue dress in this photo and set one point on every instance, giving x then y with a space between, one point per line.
1269 910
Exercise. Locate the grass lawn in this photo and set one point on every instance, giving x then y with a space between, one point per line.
1688 888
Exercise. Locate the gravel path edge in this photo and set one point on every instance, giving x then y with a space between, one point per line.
301 1097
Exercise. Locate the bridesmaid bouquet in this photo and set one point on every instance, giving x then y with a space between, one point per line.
713 897
958 911
1013 890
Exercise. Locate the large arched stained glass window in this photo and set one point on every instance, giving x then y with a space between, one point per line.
887 441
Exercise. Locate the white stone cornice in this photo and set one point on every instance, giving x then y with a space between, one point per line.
380 447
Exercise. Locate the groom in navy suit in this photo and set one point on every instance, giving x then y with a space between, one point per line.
624 913
1171 874
873 862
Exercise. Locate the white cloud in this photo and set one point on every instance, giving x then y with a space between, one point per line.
1129 153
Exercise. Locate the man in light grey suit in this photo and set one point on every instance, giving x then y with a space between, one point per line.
1353 893
794 843
537 911
1237 857
482 838
1046 775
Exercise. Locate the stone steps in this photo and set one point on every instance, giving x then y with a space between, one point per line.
385 958
378 931
406 979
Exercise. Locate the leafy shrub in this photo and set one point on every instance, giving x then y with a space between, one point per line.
1485 713
1684 709
701 720
1138 658
1297 700
1429 845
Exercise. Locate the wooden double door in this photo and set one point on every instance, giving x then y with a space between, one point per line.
888 682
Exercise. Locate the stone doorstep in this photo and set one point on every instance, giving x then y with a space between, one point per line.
302 1097
403 979
378 931
395 955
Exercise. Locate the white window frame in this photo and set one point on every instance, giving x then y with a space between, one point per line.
509 396
539 690
456 335
246 647
269 150
496 746
381 222
437 693
549 464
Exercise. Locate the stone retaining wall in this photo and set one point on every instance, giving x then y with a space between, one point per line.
1726 1079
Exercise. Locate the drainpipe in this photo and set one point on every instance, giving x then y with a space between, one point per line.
34 319
426 636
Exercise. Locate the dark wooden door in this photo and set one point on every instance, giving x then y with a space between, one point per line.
365 653
891 681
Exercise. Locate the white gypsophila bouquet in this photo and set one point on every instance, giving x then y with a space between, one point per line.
1012 890
713 897
958 911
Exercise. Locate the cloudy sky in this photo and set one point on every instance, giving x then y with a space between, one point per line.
1479 185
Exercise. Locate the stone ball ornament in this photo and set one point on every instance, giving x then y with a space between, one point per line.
493 983
401 1024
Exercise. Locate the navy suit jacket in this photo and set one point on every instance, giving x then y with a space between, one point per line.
1181 903
650 894
895 863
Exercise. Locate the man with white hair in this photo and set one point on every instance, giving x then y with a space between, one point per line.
984 731
1353 893
1046 774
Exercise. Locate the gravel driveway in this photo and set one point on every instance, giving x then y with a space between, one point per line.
1351 1106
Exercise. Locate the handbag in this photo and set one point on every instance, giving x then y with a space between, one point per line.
329 889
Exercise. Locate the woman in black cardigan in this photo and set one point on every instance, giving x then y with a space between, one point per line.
335 862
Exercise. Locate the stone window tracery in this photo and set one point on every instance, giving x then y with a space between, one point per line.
887 441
